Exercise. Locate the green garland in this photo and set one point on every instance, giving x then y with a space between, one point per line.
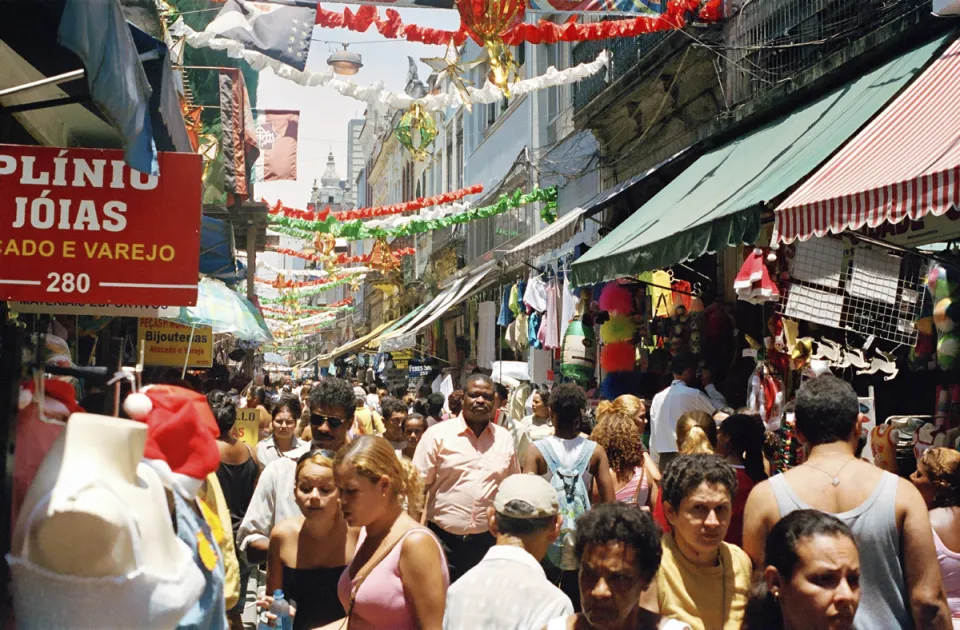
358 230
299 295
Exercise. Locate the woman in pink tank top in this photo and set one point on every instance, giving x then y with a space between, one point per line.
635 476
938 480
398 578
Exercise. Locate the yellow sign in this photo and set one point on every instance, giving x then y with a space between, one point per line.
165 343
247 428
401 358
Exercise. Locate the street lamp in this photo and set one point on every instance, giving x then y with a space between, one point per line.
345 62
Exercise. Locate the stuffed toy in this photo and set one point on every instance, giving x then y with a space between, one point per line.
946 314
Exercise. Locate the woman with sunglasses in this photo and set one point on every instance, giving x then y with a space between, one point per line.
308 554
398 578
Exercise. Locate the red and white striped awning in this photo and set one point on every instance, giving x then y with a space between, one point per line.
903 165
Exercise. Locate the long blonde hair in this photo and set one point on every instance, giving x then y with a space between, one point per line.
696 433
373 457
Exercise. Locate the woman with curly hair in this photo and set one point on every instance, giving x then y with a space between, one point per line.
938 480
635 477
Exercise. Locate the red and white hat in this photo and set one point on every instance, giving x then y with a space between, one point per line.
181 433
59 397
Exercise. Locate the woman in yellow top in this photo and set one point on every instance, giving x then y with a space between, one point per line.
702 580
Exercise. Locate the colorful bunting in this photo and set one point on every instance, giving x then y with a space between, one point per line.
325 215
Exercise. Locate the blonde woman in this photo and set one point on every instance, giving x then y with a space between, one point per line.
696 433
308 554
635 477
398 577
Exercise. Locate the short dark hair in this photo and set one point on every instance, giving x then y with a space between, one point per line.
420 406
827 410
424 390
289 402
435 403
390 406
479 377
685 473
371 389
398 391
568 401
224 410
522 526
683 361
413 416
455 401
626 524
544 395
334 392
501 391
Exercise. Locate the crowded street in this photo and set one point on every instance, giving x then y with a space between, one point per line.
480 315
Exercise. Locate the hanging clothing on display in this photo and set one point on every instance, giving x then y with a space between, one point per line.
541 362
661 298
486 334
533 329
536 294
682 293
515 306
450 334
549 333
210 612
568 305
506 315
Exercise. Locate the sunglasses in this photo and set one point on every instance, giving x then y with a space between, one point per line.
317 419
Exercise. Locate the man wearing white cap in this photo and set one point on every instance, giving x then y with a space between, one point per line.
508 589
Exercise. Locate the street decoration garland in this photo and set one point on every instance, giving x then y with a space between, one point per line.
289 316
486 21
540 32
325 215
281 283
316 310
294 296
379 99
359 230
342 259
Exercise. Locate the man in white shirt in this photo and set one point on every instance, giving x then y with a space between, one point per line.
331 416
509 590
679 398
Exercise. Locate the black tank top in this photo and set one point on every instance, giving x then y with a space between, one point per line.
238 482
315 593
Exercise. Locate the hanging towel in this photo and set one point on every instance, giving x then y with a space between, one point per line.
568 307
536 294
486 334
506 316
549 329
533 329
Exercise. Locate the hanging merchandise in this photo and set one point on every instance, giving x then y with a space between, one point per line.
618 328
753 283
416 131
549 333
946 313
579 356
765 395
616 298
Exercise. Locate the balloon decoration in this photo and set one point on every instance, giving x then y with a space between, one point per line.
416 131
359 230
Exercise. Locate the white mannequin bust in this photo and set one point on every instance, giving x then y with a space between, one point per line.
96 484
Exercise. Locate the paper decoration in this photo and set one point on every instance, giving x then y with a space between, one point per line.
295 296
380 99
818 260
281 283
342 259
416 131
325 215
359 230
487 21
450 69
811 305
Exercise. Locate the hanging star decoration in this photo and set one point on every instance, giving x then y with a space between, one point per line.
451 68
416 130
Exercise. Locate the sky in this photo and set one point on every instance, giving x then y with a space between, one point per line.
324 113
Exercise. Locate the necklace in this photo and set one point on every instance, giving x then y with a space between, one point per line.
835 479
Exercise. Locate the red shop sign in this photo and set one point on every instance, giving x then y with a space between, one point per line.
80 226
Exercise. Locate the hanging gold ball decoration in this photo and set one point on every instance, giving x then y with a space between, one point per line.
487 21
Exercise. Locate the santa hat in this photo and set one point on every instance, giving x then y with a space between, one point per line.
59 397
181 433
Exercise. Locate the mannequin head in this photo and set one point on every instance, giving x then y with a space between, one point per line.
315 489
373 481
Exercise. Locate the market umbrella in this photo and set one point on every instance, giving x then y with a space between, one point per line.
225 310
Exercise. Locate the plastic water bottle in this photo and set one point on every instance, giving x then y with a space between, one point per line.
280 608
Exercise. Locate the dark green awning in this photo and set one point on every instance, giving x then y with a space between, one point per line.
716 202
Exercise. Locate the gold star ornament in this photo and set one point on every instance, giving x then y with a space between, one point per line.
451 68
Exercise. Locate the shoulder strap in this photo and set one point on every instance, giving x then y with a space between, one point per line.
586 452
549 455
364 574
643 472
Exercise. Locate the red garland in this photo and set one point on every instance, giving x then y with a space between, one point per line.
377 211
342 259
543 32
293 284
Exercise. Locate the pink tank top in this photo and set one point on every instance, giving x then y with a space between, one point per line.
380 601
949 562
637 490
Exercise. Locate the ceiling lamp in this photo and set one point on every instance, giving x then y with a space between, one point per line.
345 62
